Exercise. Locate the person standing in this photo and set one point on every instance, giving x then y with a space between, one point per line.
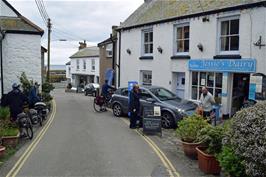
134 106
33 95
206 102
15 100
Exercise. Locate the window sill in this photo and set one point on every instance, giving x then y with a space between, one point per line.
146 58
180 57
227 57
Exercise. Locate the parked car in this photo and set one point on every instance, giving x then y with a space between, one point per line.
173 108
91 89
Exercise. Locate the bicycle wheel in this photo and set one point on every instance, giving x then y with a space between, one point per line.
29 131
96 107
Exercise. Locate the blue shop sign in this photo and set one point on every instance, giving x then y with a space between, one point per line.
224 65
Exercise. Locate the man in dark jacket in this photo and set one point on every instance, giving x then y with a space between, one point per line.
15 100
134 106
33 95
105 90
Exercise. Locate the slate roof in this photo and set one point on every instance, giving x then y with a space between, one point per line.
86 52
19 24
158 10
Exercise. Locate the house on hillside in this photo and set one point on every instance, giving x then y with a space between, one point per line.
185 45
20 50
108 65
85 65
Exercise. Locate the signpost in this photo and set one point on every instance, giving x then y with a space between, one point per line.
152 121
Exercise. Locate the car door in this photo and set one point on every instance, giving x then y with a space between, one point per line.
144 95
124 100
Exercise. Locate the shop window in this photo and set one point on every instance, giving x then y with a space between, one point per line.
229 35
147 42
146 77
182 39
212 81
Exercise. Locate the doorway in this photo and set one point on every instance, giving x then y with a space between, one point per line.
179 84
240 91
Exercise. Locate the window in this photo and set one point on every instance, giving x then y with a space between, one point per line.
229 35
147 42
84 64
182 39
144 94
146 77
77 64
124 92
109 50
213 82
164 94
93 64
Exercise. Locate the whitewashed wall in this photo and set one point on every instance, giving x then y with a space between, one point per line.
88 70
21 53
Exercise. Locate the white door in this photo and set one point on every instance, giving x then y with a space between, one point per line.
180 85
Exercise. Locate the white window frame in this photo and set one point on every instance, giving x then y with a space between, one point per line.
93 64
77 64
84 65
146 72
147 30
175 38
109 50
220 20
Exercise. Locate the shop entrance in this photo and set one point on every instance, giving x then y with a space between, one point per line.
240 91
179 84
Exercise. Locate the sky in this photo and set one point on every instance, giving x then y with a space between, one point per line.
75 21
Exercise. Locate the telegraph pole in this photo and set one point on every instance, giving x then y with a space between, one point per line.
49 26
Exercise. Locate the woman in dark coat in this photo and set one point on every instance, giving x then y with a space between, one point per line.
134 106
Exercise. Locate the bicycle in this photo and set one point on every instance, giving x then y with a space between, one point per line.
24 124
101 103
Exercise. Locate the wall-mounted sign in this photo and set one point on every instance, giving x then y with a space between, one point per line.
223 65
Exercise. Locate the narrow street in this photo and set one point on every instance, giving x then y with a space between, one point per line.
81 142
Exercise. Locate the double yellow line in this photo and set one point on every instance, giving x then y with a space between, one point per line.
16 168
166 162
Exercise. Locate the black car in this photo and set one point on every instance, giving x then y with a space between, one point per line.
173 108
91 89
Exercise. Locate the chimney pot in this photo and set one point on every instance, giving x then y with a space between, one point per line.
82 45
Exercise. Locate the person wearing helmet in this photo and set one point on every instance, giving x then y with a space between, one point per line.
15 100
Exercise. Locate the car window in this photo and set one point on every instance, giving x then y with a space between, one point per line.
124 92
163 94
144 94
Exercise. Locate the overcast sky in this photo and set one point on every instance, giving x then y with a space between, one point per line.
76 20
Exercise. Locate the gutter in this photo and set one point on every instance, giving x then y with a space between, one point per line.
113 56
119 58
238 7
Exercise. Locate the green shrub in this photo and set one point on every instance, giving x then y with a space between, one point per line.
188 128
26 84
248 138
46 89
4 113
212 138
231 163
9 131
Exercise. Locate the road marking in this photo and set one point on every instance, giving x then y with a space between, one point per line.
16 168
166 162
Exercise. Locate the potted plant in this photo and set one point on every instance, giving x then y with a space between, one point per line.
9 132
187 131
211 138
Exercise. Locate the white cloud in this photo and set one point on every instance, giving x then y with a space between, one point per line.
76 21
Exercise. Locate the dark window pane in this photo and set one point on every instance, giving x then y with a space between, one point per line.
194 78
224 43
194 93
146 37
151 36
146 48
234 28
234 43
210 79
210 90
218 96
180 46
225 28
179 33
151 48
186 47
219 80
203 79
186 31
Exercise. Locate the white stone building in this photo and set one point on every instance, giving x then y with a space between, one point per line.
84 66
21 47
68 72
185 45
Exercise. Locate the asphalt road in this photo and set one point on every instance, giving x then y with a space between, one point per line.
81 142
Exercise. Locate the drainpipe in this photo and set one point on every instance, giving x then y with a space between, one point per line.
119 58
2 36
113 56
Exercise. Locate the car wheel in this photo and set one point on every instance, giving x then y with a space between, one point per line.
86 93
117 110
167 120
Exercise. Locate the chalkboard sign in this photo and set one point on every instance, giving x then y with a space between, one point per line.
151 124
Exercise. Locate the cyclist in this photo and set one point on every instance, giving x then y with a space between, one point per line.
105 90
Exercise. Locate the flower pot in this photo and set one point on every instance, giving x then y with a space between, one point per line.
207 163
190 149
11 141
2 151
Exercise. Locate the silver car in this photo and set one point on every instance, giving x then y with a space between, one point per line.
173 108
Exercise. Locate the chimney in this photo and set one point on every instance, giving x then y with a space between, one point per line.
82 45
114 32
147 1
